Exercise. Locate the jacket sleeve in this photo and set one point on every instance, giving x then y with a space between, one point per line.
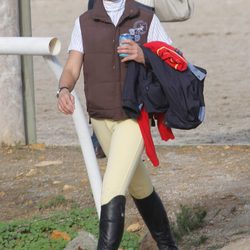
130 99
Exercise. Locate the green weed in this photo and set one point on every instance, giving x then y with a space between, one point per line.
35 233
188 220
55 202
194 241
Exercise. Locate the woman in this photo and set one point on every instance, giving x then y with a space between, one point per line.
95 46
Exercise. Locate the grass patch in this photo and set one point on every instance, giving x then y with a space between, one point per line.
36 233
54 202
188 220
194 241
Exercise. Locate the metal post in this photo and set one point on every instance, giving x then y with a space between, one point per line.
27 75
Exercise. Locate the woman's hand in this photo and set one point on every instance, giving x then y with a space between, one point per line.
133 50
66 102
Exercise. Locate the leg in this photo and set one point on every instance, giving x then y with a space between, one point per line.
140 185
126 147
151 209
123 153
155 217
111 224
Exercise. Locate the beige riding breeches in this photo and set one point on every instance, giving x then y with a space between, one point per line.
123 145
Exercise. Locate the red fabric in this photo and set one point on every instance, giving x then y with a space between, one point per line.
143 122
169 54
165 132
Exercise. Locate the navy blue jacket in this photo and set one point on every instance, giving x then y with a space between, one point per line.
162 89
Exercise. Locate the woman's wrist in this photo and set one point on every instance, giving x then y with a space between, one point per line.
60 89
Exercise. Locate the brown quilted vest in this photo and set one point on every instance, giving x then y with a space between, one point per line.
103 72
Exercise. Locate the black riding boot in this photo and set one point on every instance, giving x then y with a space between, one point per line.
155 217
111 224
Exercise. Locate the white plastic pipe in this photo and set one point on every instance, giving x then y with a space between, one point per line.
48 47
29 46
82 129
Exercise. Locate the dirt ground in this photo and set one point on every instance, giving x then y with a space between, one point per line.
213 177
208 166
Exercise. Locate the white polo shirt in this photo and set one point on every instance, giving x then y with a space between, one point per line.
115 10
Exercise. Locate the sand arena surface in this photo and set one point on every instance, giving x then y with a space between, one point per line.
216 177
216 38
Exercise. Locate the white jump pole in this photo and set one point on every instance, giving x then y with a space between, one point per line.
36 46
82 129
48 47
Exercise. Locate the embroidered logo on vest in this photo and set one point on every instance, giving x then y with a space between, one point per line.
139 28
